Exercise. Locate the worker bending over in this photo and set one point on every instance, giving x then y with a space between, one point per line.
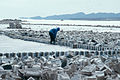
53 33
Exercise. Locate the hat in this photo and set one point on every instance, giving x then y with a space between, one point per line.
58 28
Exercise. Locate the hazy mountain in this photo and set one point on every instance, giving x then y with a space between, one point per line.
80 16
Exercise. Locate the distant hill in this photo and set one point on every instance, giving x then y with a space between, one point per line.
80 16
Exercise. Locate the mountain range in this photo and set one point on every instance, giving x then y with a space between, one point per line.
80 16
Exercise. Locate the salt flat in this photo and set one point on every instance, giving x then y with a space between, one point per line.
77 22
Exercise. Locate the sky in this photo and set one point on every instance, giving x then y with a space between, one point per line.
43 8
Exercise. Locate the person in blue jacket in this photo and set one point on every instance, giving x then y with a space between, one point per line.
53 33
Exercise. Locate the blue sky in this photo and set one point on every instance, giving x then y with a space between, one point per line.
28 8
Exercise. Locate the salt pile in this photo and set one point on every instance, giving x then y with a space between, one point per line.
77 67
84 39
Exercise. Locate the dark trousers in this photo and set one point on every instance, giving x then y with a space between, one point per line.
52 38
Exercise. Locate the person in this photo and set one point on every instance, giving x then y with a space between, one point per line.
53 33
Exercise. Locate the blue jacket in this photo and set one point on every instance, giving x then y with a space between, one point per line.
54 31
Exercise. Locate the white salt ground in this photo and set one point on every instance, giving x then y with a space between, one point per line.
15 45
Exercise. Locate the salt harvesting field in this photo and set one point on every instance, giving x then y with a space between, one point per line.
81 52
44 47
